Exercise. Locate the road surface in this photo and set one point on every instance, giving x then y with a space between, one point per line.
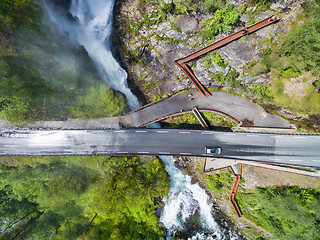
299 150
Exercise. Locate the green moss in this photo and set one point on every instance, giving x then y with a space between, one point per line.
289 73
252 21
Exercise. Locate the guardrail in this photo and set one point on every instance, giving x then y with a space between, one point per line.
234 188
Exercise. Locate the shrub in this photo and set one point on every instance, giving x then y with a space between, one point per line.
221 21
289 73
316 83
212 5
207 61
262 92
304 41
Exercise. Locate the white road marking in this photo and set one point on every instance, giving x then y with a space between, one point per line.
277 159
295 160
184 132
207 133
299 137
316 160
143 152
164 153
122 152
120 131
229 134
252 135
140 131
162 131
185 153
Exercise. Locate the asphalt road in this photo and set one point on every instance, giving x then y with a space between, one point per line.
299 150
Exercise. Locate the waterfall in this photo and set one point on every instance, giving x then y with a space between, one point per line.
92 29
186 209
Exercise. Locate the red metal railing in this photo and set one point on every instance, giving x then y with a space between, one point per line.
245 31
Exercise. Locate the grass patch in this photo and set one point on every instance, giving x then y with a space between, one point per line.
298 96
219 182
214 120
293 65
286 212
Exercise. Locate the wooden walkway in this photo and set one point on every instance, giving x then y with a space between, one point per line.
181 63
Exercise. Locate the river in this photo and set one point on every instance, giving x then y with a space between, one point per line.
186 210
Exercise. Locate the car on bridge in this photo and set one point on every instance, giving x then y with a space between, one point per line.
213 150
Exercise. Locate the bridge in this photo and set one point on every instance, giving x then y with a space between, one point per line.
296 150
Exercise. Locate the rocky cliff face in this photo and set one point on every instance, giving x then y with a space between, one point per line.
151 40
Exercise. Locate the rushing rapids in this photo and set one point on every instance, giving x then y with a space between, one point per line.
186 209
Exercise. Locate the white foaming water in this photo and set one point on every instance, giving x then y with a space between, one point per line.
184 201
92 30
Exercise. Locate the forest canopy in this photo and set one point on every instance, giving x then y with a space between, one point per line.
81 198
